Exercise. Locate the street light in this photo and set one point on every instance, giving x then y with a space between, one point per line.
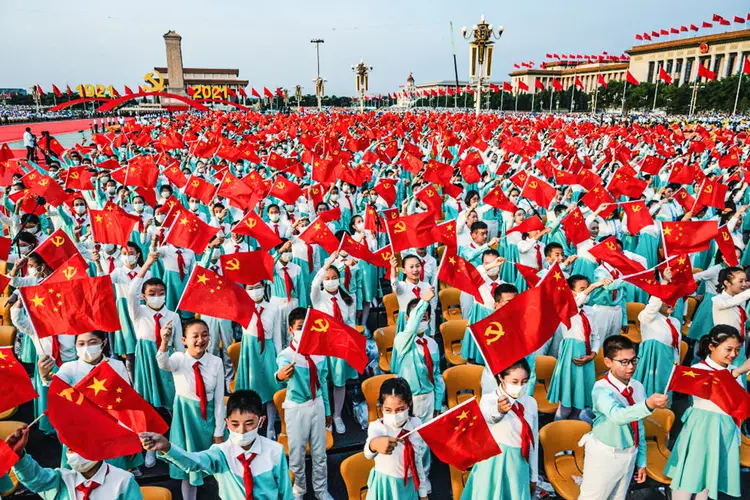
480 53
298 95
318 81
362 71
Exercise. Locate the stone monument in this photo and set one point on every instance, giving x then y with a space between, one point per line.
175 77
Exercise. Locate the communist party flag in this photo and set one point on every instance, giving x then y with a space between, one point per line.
247 268
725 242
574 225
285 190
712 194
74 268
56 249
189 231
72 306
252 225
386 189
638 215
457 272
79 178
112 225
539 192
205 289
74 416
460 436
17 387
686 201
175 176
324 335
520 327
688 236
8 457
430 197
107 389
608 252
200 189
237 192
319 233
5 244
533 223
718 386
411 231
497 199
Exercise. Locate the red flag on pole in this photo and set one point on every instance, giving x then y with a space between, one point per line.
252 225
247 268
205 289
411 231
324 335
457 272
189 231
17 386
688 236
631 79
638 215
718 386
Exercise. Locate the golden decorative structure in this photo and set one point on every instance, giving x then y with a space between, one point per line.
362 72
480 54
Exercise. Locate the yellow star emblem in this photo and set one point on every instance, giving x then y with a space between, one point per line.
558 276
452 260
463 415
3 356
203 279
184 221
38 301
690 373
667 231
98 218
97 386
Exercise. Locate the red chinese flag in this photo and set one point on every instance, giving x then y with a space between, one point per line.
74 416
638 216
529 274
533 223
457 272
200 189
319 233
574 225
411 231
142 172
745 68
729 160
6 154
704 72
55 147
247 268
522 86
5 247
189 231
682 173
652 165
285 190
445 233
600 80
664 76
438 173
205 289
323 335
718 386
689 236
8 458
386 189
539 192
111 226
563 300
72 306
107 389
538 84
17 387
725 242
237 192
598 197
609 252
252 225
56 249
631 79
430 197
277 161
497 199
460 436
712 194
175 176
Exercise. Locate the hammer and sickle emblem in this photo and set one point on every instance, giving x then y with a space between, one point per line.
57 241
725 236
69 272
155 81
493 332
611 245
386 255
195 183
68 394
320 325
533 185
430 193
522 177
709 189
280 185
251 223
399 227
74 175
233 265
44 182
637 208
315 191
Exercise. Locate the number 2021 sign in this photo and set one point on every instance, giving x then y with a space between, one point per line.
210 91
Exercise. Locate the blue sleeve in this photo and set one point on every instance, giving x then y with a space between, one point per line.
202 461
46 483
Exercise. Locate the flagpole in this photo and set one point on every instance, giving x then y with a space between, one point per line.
183 291
663 239
516 102
624 91
455 408
551 98
596 93
573 94
739 82
656 92
502 95
532 100
671 376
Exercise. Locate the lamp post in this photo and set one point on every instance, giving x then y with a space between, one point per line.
480 54
298 95
318 81
361 72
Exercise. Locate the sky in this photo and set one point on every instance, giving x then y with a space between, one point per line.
101 42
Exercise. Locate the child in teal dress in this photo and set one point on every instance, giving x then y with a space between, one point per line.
198 410
397 473
511 414
246 465
705 458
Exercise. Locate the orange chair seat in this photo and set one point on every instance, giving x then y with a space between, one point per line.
540 395
656 462
745 452
562 478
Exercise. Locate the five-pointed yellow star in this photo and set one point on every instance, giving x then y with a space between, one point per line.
203 279
3 356
558 276
184 221
667 231
98 218
690 373
452 260
97 386
463 415
38 301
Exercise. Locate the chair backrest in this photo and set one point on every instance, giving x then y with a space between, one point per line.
450 302
5 311
7 335
384 340
561 436
658 425
355 471
390 302
633 310
458 481
233 351
8 427
371 391
155 493
545 365
690 306
599 367
683 350
453 335
462 382
278 400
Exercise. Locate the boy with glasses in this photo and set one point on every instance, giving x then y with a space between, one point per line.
617 443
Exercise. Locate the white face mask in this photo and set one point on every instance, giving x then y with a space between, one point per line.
256 294
515 391
297 335
160 218
32 272
193 206
156 302
33 229
25 250
360 226
289 208
89 353
396 420
493 273
346 189
424 326
80 464
245 439
286 256
165 195
111 189
331 285
274 217
129 260
80 209
138 207
334 197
